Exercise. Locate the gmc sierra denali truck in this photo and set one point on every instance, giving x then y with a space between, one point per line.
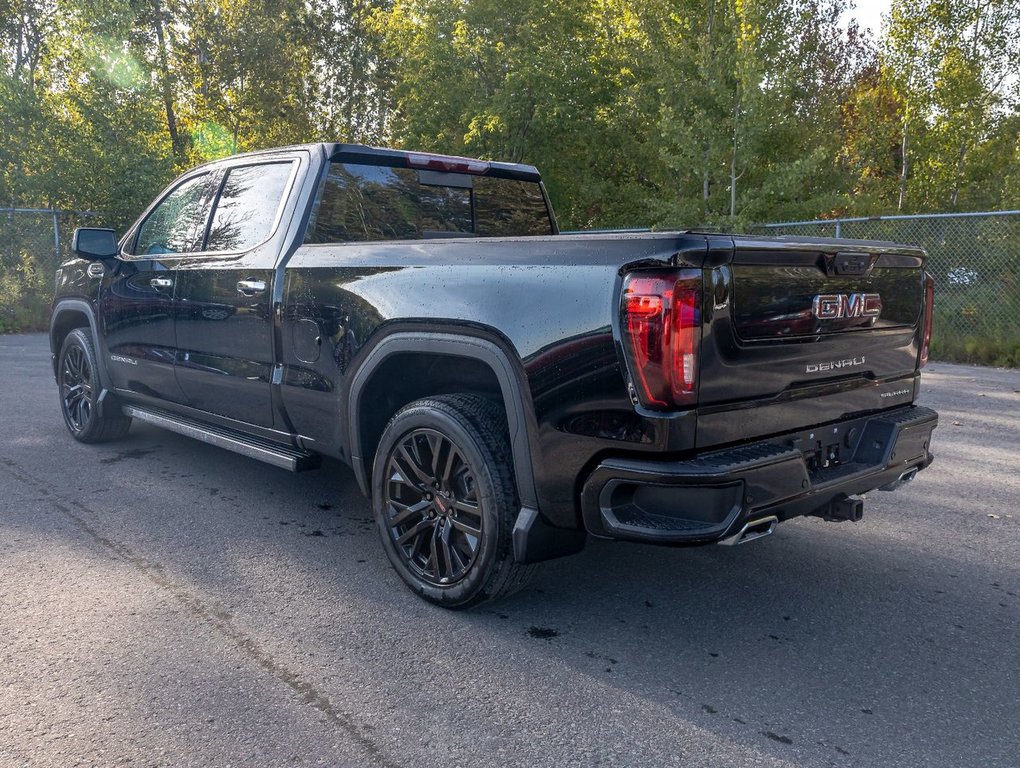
500 390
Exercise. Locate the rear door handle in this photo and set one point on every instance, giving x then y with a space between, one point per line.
251 287
161 283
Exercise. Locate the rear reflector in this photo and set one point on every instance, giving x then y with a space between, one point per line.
929 307
661 323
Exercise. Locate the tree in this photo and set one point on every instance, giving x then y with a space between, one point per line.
954 66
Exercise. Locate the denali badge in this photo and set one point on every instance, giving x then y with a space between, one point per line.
895 393
833 365
834 306
122 359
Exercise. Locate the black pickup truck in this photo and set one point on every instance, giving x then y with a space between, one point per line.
500 390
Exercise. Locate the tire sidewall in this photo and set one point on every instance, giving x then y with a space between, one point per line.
470 588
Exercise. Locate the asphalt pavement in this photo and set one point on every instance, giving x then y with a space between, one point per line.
167 603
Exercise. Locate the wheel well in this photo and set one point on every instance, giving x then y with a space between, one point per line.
408 376
66 322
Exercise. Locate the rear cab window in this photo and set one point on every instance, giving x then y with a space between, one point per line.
365 202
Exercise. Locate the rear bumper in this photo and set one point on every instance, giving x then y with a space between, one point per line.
707 498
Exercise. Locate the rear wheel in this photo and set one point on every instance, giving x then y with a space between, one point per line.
445 500
78 378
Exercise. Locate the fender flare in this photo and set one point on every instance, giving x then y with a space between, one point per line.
106 397
438 343
534 540
79 305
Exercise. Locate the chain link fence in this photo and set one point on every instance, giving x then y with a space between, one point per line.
975 260
33 241
974 257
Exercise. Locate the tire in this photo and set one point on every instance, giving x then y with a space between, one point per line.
445 500
79 388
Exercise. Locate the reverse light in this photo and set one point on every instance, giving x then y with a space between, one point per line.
661 324
929 307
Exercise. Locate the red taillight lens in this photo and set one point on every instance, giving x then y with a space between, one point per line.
929 306
661 329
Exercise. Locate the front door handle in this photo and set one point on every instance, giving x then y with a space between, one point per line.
251 287
161 283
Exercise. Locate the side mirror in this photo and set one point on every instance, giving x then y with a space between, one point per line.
94 244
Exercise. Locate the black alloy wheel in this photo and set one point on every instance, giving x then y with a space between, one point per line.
76 379
445 500
80 388
435 516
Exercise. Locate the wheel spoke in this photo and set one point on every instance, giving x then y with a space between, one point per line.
435 443
70 367
459 563
414 466
434 555
78 361
446 557
470 507
415 550
398 475
446 473
463 527
406 512
414 530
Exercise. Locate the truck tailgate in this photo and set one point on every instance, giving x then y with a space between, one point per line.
829 324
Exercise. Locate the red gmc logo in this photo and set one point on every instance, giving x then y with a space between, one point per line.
835 306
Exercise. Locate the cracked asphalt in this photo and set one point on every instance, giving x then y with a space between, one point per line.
167 603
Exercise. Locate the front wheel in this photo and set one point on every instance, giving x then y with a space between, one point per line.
78 378
445 500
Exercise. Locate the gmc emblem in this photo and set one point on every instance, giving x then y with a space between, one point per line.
835 306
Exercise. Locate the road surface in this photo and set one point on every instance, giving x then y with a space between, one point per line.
167 603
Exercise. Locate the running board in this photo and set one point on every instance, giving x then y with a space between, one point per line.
277 454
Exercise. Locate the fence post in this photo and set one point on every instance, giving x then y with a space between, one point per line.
56 237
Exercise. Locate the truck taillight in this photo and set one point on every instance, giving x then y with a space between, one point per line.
661 324
445 164
929 306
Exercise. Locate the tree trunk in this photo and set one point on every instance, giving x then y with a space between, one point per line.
176 142
733 160
903 168
958 180
708 53
704 179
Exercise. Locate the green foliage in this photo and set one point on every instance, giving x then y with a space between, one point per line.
666 113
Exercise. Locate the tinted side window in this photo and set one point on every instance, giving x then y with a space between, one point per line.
247 206
174 226
370 202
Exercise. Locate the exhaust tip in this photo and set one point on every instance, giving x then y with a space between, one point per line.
752 531
902 480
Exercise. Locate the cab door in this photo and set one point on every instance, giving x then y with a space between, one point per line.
137 297
224 295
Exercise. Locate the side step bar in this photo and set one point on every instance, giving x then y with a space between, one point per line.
277 454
